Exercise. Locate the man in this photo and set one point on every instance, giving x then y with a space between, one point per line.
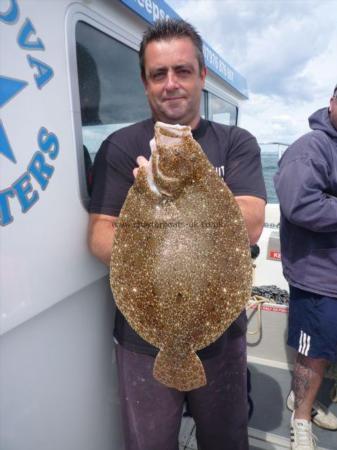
306 184
173 72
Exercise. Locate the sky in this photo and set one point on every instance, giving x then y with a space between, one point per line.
287 51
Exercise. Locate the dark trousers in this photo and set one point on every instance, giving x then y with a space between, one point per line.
151 412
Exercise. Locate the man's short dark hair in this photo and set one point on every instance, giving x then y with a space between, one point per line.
335 91
167 30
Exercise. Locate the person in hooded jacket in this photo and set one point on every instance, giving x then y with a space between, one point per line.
306 185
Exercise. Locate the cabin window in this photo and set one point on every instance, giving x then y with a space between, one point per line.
111 92
221 111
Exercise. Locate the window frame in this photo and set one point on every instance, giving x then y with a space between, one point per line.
79 13
211 88
211 112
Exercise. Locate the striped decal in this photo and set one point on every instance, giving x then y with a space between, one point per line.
304 343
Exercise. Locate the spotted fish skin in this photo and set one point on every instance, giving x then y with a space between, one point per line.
180 270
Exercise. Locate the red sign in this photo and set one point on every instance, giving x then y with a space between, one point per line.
275 254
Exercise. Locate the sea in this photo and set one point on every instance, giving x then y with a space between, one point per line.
269 165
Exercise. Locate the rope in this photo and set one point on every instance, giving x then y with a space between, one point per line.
258 301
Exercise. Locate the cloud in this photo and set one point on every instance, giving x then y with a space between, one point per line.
286 49
269 123
269 42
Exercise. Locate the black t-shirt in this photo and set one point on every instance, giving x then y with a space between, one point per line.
234 153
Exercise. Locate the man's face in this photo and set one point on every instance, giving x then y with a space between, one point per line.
333 110
173 82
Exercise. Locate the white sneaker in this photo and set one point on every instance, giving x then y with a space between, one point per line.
320 415
301 437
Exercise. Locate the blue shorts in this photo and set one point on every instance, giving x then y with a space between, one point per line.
312 323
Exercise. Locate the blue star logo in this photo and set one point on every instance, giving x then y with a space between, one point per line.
9 88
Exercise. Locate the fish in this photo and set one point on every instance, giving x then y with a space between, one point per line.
181 270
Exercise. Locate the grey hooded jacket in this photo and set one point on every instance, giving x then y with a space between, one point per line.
306 184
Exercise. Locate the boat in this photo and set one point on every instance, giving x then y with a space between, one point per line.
70 78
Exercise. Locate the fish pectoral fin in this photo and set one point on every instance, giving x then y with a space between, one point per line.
182 373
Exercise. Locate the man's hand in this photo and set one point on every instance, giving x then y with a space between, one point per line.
142 162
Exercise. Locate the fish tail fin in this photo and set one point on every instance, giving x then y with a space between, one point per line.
183 374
